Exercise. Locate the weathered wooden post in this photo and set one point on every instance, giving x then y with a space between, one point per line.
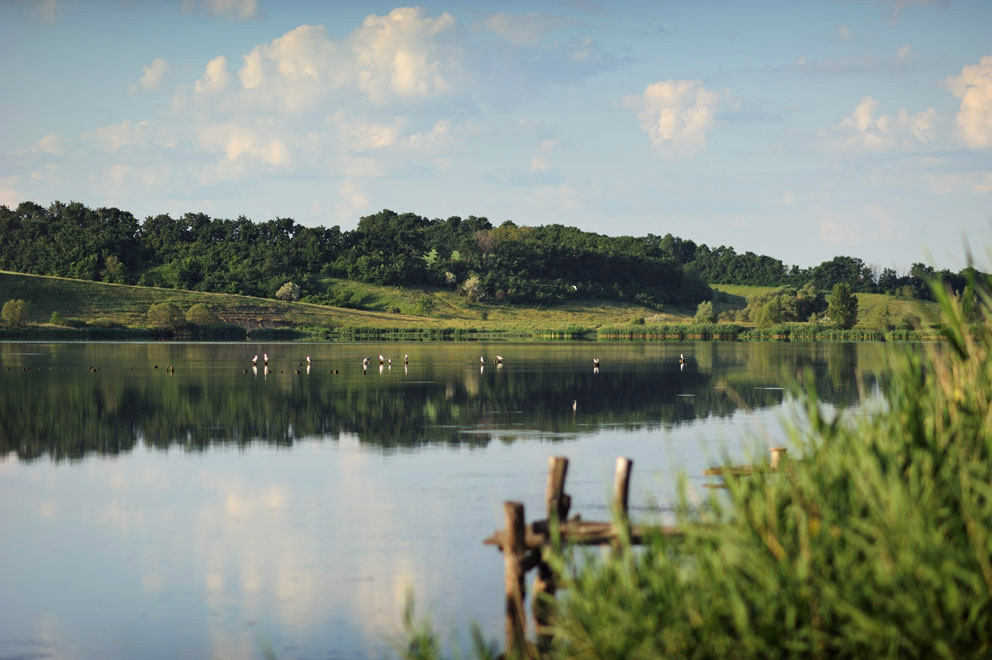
621 492
513 552
777 454
557 504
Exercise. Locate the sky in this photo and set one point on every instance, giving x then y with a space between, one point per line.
800 130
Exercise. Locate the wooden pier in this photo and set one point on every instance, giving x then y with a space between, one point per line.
523 544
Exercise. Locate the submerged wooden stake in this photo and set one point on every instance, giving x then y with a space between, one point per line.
513 551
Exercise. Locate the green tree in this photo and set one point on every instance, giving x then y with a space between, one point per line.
842 305
15 312
165 315
288 291
201 314
704 313
114 270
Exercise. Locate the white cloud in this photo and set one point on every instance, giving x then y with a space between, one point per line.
153 74
237 10
523 29
974 118
215 78
140 134
440 134
50 144
242 149
295 71
676 114
862 130
539 160
398 54
362 135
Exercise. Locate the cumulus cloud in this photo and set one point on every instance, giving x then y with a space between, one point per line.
215 78
237 10
241 144
153 74
974 118
399 54
863 130
676 114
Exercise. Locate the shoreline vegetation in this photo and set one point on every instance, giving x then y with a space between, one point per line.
63 309
871 539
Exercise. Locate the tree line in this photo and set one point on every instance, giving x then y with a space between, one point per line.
510 263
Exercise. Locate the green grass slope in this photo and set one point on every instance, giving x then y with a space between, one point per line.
387 307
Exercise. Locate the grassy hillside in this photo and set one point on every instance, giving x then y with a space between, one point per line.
871 306
383 306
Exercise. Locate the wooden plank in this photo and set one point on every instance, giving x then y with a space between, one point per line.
581 533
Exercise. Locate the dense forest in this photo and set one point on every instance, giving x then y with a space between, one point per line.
507 263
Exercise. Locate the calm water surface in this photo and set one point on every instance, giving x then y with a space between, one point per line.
211 512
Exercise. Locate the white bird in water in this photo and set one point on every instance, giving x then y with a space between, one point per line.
499 359
595 362
681 358
365 362
308 361
406 359
382 358
254 360
265 358
482 360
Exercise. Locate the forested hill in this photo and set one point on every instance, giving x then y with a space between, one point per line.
506 263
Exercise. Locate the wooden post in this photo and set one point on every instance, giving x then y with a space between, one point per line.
557 503
555 498
777 454
621 491
513 551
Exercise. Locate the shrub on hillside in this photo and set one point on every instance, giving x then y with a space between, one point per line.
201 314
289 292
165 315
704 313
14 313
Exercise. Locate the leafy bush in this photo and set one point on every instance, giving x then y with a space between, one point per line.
704 313
14 313
165 315
289 292
201 314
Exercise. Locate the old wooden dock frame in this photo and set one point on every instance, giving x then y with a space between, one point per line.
523 545
523 549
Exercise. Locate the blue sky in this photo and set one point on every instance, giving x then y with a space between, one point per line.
802 130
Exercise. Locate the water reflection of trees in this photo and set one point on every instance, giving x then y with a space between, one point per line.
67 411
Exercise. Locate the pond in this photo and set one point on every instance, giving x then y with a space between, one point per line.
172 500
